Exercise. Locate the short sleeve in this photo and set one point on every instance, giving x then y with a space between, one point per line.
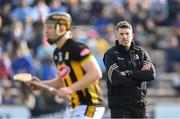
80 51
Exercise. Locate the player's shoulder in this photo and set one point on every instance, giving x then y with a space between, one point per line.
77 44
79 49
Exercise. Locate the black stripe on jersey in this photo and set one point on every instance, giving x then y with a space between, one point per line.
88 96
72 75
98 91
74 79
79 72
66 83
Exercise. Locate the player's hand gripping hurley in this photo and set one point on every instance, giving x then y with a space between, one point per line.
25 77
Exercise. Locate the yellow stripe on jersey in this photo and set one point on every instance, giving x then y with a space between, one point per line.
93 93
87 58
97 86
75 99
90 111
91 88
78 72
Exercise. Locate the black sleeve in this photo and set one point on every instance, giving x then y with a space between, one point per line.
113 72
80 51
144 75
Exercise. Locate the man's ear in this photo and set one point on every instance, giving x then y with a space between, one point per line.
132 35
116 35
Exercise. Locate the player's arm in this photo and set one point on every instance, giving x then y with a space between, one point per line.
93 73
56 82
82 54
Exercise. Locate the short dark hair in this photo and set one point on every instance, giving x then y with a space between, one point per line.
123 24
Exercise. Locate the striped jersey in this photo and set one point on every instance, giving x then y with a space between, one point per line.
69 60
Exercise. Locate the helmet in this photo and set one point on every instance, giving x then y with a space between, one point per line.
60 18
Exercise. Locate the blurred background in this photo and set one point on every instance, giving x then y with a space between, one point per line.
23 48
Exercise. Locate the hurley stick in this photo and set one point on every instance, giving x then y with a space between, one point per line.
23 77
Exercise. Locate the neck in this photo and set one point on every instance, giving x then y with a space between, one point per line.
63 40
127 48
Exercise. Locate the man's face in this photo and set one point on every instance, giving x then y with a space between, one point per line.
50 31
124 36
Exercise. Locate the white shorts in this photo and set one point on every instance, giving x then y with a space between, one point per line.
85 112
79 112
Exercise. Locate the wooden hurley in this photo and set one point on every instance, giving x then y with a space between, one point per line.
24 77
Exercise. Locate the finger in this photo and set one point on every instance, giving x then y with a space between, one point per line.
34 87
35 79
29 82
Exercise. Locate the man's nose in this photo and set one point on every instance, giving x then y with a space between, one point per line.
124 36
45 31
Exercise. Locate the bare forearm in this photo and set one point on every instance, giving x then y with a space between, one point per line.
93 73
87 80
55 82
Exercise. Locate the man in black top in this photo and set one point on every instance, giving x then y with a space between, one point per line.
129 68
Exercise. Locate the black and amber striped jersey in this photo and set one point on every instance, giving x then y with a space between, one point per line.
69 60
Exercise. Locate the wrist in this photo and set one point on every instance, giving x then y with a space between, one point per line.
71 90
